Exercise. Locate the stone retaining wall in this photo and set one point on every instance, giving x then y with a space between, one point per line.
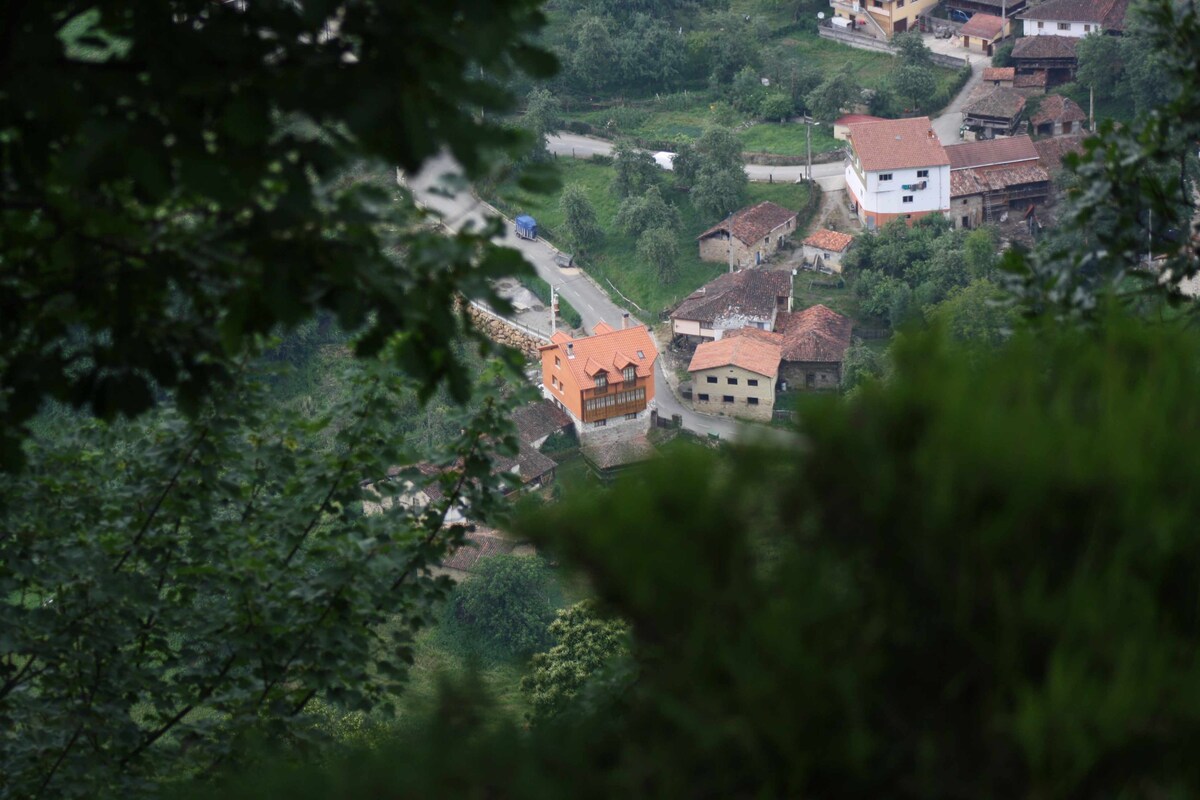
505 332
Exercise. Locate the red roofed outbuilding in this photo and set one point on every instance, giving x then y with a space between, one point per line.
748 237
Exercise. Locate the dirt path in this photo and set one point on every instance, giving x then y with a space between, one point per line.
834 214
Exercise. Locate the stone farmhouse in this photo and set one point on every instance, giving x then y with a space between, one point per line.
989 178
735 376
1057 116
734 300
812 347
823 250
748 237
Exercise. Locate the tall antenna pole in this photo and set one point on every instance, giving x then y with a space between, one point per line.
553 306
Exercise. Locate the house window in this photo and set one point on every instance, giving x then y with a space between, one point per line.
727 398
922 173
731 381
1064 26
641 354
554 381
601 380
629 374
752 381
557 361
899 3
877 3
600 423
752 401
908 198
711 379
885 176
825 256
631 416
1087 28
703 398
1041 25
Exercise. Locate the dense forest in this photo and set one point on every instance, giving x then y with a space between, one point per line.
223 324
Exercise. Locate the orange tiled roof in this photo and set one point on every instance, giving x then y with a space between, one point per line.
983 26
897 144
753 223
829 240
1056 108
751 354
816 334
603 351
988 152
999 73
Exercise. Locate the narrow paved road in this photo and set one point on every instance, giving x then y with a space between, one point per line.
831 177
946 125
593 303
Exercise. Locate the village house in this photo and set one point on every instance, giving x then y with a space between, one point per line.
882 19
999 76
982 32
823 250
1075 18
1057 116
897 169
735 377
602 379
812 347
748 236
733 300
1052 58
990 178
479 543
994 111
1030 83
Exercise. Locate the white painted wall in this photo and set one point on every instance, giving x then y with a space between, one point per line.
887 197
1049 27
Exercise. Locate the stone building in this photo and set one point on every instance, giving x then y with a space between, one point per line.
735 377
748 237
751 297
994 111
1057 116
823 250
990 178
812 347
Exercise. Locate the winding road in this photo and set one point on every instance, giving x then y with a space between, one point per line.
458 207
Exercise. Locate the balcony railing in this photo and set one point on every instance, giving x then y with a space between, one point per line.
618 410
614 388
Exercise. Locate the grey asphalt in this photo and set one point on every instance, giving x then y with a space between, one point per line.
461 208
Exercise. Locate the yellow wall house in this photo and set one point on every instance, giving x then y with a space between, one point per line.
735 377
882 18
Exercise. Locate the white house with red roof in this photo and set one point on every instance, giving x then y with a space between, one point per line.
897 169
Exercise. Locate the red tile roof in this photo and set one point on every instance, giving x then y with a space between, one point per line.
1032 80
983 26
751 354
1052 150
995 101
987 152
833 241
847 119
752 293
897 144
964 182
1109 13
753 223
816 334
999 73
1056 108
606 351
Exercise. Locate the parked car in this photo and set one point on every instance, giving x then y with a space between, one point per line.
958 15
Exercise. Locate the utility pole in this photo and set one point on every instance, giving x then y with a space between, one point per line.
808 138
553 309
1092 109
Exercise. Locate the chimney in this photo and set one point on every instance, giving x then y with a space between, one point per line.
570 349
625 320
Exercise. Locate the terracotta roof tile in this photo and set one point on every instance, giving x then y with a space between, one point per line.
897 144
752 293
983 26
537 420
1035 47
751 354
1031 80
1056 108
601 350
847 119
999 73
1052 150
816 334
1109 12
753 223
964 182
825 239
986 152
999 102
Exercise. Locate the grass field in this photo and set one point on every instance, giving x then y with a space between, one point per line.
616 258
787 139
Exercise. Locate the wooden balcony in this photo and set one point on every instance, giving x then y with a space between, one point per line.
615 400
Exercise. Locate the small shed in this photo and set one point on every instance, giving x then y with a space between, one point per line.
983 31
994 112
1057 116
823 250
1000 76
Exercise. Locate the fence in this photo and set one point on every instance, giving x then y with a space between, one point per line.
873 333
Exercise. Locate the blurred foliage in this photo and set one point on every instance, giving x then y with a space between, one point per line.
505 608
973 580
177 179
584 643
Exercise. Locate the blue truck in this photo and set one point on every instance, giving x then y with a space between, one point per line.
526 227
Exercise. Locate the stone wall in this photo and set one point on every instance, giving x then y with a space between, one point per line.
505 332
